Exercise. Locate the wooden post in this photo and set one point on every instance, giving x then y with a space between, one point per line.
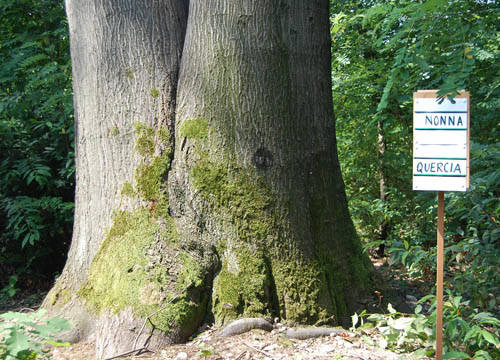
439 276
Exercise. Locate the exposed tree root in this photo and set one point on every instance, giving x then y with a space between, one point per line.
311 332
243 325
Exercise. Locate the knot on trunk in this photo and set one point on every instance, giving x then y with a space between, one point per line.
262 158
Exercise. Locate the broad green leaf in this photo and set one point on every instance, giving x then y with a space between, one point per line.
455 355
403 323
16 342
482 355
489 337
473 331
487 318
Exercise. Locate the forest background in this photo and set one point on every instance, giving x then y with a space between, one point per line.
382 51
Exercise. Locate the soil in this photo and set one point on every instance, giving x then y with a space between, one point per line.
258 344
255 344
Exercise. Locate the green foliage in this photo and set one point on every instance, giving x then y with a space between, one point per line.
10 289
467 333
36 140
422 45
27 217
472 233
26 335
383 51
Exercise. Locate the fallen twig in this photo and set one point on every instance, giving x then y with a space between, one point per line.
240 355
126 353
259 351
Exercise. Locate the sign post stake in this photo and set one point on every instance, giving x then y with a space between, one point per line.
439 276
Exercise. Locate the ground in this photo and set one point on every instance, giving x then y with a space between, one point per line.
255 344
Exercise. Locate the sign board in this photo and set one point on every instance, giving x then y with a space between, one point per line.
440 142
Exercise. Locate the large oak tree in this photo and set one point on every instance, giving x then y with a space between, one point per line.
208 185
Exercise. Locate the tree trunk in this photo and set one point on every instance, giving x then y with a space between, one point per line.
125 57
237 208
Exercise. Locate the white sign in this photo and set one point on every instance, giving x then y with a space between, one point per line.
440 142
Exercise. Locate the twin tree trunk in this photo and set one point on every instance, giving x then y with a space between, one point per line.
208 185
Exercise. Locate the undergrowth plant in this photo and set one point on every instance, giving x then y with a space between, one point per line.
28 335
467 333
383 51
36 143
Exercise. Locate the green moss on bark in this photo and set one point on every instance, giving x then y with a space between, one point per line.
145 142
130 272
128 190
124 276
302 292
243 287
242 195
154 93
58 295
194 129
114 131
150 175
263 272
164 137
150 178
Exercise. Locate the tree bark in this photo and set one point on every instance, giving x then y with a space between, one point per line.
125 57
237 208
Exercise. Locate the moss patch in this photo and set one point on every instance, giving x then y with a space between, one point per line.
264 273
150 178
114 131
154 92
123 275
128 190
303 292
150 175
130 270
145 142
164 136
194 129
243 286
59 296
242 195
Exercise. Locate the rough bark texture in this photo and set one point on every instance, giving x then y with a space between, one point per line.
235 209
262 182
125 57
